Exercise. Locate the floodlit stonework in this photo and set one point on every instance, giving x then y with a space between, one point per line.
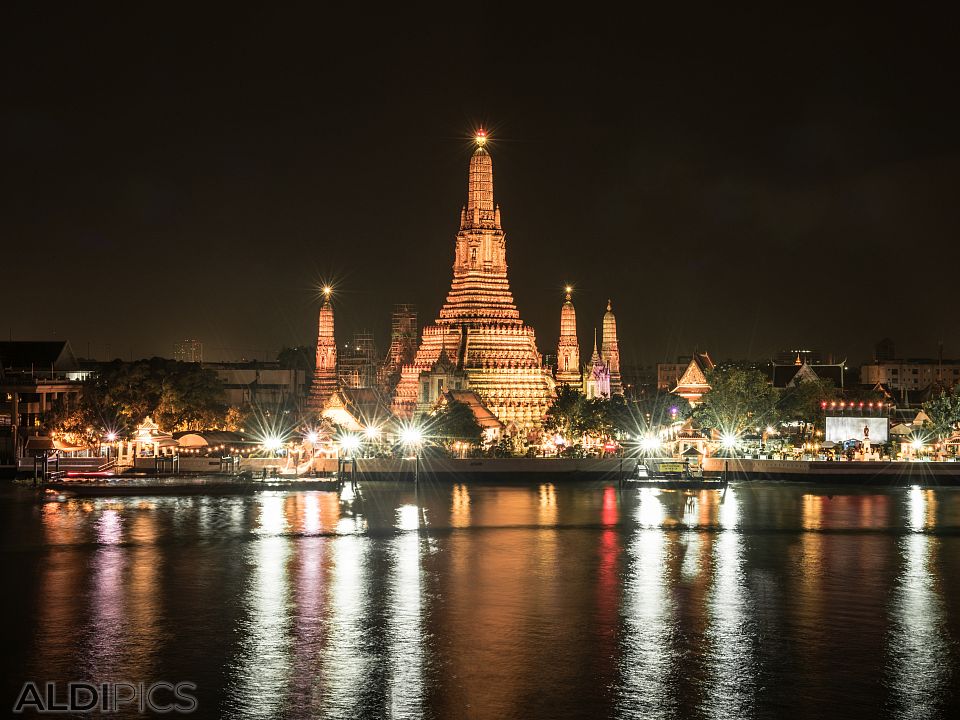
610 350
325 376
568 347
479 341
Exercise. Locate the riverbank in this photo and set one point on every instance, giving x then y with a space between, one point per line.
819 471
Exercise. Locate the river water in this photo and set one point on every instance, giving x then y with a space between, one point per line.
480 601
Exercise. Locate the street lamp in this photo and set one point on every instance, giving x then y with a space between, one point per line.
412 437
729 441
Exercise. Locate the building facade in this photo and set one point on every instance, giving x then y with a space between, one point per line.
188 351
911 374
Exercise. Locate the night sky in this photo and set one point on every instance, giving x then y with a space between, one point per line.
736 183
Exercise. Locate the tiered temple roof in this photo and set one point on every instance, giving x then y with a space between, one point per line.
693 384
479 327
568 347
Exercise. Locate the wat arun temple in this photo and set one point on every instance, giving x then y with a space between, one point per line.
479 345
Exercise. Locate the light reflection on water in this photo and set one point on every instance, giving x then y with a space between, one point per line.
470 600
647 659
263 659
919 643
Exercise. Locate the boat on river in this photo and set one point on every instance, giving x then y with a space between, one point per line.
674 474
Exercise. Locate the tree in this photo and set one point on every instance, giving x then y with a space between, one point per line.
572 416
738 399
455 422
663 408
944 414
191 398
802 403
180 396
299 357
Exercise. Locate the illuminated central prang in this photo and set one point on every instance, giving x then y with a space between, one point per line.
479 341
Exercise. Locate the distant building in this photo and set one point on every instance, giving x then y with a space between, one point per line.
265 385
35 377
668 374
792 374
812 357
912 374
188 351
884 351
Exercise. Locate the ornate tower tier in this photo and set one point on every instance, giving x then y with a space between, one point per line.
610 350
479 328
325 376
596 376
568 347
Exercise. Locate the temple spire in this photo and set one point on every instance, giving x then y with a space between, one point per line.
325 376
611 349
568 347
480 186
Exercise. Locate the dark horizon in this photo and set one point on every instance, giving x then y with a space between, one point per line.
741 185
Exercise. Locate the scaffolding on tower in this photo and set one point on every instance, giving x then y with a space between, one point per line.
403 345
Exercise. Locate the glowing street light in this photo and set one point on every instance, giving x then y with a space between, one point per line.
349 443
312 437
729 441
411 436
372 432
111 437
650 444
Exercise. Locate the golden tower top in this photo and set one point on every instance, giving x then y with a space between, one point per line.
480 185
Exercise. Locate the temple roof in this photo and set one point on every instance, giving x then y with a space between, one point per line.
37 355
481 412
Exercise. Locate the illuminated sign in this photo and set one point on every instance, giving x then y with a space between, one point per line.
873 429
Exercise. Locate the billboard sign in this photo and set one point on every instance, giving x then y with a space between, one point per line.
873 429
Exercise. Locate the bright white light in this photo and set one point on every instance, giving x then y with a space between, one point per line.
372 432
312 438
111 436
729 441
770 430
411 436
349 442
272 443
917 444
651 443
